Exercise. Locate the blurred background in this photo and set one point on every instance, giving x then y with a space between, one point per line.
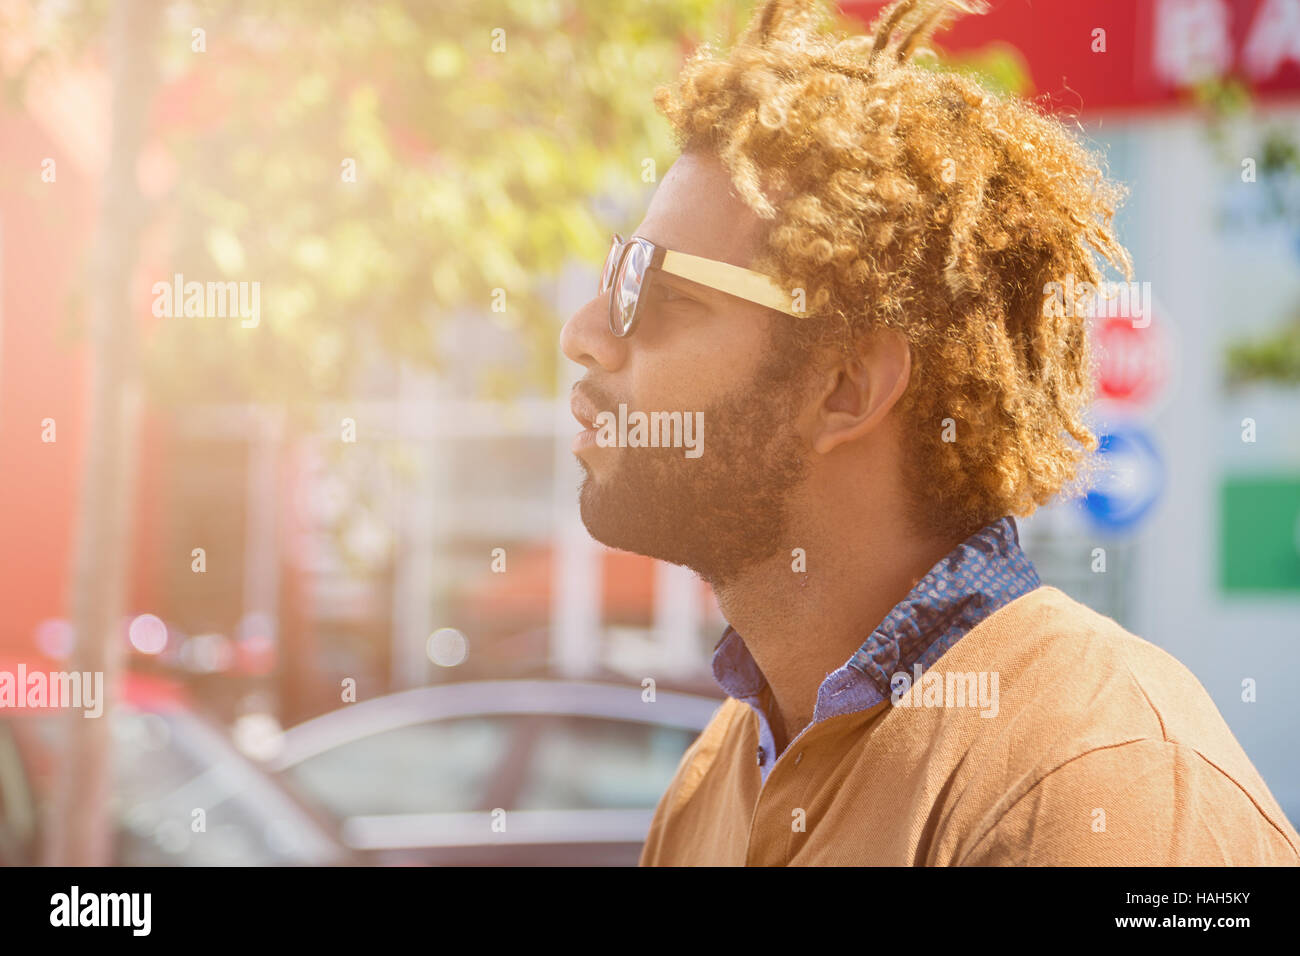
326 547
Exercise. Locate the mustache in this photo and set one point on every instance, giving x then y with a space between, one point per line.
600 399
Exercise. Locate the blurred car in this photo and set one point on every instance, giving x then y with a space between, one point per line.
168 763
517 772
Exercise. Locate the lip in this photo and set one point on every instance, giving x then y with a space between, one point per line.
584 439
584 410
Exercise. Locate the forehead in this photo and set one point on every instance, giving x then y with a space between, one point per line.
696 210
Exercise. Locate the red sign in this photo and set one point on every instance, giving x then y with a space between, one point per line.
1107 54
1132 366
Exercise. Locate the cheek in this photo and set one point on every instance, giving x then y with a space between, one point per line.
686 384
692 370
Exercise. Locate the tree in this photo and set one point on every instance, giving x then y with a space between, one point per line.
381 169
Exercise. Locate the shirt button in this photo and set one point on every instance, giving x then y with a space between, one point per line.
761 755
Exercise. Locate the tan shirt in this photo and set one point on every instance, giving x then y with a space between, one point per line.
1097 748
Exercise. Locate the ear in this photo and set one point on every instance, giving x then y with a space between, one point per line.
862 389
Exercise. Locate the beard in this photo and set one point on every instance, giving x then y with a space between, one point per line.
721 513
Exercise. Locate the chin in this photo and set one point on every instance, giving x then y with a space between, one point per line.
663 535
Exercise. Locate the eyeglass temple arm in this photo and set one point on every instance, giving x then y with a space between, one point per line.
734 280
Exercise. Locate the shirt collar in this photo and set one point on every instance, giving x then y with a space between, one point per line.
980 575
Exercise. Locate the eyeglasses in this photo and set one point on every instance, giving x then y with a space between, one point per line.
627 269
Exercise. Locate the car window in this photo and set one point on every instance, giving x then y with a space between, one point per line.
444 766
588 763
166 770
167 767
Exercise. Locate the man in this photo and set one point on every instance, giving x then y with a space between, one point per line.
842 280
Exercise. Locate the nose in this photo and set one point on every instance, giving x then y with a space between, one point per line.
587 340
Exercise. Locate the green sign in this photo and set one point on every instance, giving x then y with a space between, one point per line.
1259 544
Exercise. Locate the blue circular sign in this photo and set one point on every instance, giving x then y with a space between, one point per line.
1132 478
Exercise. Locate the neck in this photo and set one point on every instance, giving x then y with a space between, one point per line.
801 626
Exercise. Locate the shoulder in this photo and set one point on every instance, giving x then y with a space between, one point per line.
716 745
1063 662
1093 717
702 754
1142 803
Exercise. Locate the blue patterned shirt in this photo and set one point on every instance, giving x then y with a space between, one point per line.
980 575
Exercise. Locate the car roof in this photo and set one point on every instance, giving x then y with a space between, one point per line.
490 697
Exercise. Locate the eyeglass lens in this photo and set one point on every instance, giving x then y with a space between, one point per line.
629 284
611 261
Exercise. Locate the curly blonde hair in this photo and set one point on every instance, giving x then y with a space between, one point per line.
912 198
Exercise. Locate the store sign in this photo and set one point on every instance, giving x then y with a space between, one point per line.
1133 53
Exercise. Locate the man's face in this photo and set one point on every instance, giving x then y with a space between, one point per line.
694 350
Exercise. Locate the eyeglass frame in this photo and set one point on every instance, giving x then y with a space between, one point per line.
712 273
